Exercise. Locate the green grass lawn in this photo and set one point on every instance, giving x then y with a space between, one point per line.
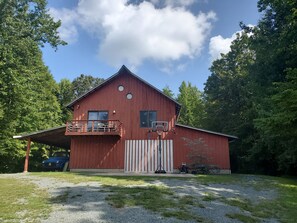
22 201
125 191
282 208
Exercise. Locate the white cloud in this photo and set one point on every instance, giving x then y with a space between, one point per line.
180 2
130 34
219 45
68 30
173 3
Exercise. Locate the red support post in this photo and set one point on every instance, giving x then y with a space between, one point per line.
27 156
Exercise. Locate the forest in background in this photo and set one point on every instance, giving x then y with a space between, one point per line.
251 92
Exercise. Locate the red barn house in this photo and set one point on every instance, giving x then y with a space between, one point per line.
111 131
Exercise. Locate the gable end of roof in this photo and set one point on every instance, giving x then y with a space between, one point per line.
123 69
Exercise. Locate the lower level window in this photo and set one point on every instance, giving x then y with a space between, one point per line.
146 118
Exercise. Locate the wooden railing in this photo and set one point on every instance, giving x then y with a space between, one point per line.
94 127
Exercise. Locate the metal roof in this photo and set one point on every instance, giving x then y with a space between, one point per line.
230 137
52 137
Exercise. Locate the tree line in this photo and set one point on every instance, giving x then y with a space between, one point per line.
251 92
30 99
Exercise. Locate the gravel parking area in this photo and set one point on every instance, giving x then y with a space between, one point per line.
85 202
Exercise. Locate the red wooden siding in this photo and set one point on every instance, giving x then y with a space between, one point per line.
108 98
99 151
96 152
218 152
108 152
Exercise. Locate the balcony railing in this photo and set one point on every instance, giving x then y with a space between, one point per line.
94 127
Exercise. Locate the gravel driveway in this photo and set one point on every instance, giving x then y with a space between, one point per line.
85 202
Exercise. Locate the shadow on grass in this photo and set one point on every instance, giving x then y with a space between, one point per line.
121 204
240 191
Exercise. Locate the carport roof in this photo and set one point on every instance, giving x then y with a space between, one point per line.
52 137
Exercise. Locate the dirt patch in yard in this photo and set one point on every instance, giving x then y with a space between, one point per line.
191 201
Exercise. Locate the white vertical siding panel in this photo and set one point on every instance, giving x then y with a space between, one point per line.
146 156
171 156
151 155
130 155
133 156
164 149
143 148
137 156
143 155
168 156
140 156
140 159
149 158
156 150
125 159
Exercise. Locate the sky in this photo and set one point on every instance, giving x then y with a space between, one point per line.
164 42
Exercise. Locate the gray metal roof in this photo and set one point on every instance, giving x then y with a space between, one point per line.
53 137
230 137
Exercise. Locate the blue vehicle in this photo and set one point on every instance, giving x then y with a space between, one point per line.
56 162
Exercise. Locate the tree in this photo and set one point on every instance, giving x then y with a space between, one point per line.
65 96
84 83
68 91
275 44
192 112
228 95
27 90
168 92
252 89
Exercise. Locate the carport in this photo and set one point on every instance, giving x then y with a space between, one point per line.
52 137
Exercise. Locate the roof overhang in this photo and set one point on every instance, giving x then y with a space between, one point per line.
52 137
230 137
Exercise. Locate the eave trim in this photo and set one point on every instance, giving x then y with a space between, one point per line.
230 137
28 135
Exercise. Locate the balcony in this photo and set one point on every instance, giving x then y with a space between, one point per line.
94 127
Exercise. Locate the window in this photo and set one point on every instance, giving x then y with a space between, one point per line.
93 118
146 118
98 115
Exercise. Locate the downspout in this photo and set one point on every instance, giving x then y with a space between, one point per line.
27 155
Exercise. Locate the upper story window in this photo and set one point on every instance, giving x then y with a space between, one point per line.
98 115
94 117
146 118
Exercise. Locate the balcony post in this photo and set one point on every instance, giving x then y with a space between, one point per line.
27 155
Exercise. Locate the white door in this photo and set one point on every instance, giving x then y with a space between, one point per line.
142 156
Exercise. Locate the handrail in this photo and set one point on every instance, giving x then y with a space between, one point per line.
87 127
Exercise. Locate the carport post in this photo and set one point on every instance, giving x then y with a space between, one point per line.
27 155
